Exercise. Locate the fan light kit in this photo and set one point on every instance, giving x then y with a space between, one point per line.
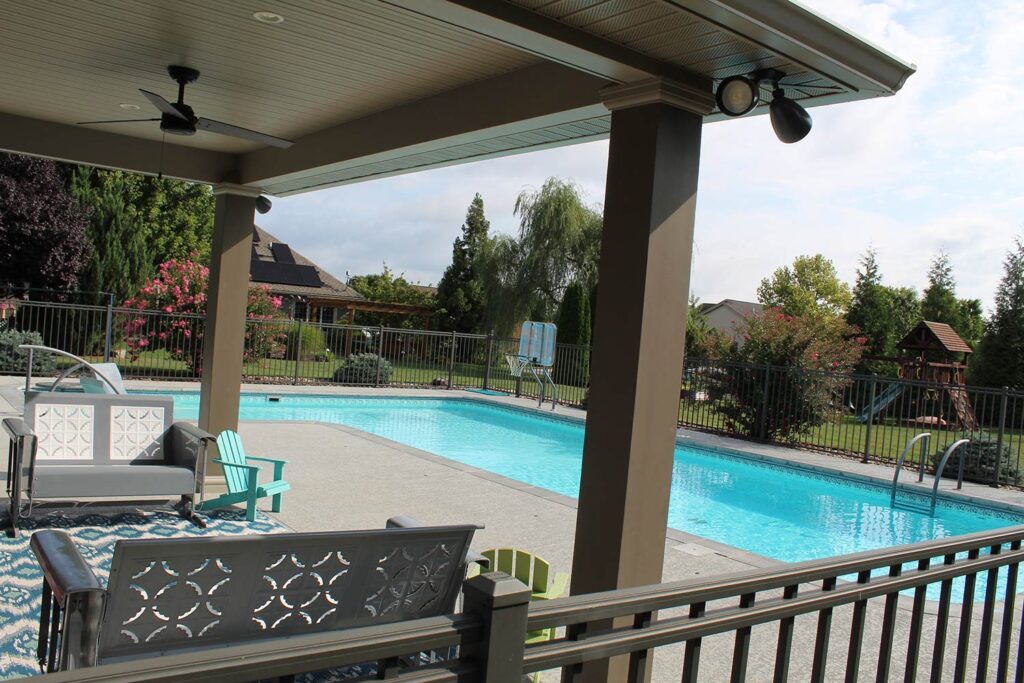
177 118
738 95
268 17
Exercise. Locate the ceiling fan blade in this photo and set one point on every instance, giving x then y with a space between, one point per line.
244 133
162 104
86 123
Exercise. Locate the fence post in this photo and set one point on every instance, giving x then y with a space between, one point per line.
298 352
501 603
108 343
380 353
762 427
451 361
490 355
871 417
1002 433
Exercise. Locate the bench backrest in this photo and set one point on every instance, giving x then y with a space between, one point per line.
189 593
98 429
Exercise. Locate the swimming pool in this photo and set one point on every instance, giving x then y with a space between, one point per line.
774 510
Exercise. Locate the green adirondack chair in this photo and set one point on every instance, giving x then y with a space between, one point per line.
243 478
535 572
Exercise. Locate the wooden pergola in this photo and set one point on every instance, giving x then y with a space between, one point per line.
374 88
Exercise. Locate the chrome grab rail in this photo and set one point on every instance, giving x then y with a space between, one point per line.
903 456
942 466
80 362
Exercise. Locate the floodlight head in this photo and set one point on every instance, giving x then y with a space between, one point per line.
791 122
737 95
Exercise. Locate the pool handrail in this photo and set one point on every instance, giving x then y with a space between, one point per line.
942 466
926 436
79 363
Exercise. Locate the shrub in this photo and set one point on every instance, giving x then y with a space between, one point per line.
13 358
313 345
982 459
361 368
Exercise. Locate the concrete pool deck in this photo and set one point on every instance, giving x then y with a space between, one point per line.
343 478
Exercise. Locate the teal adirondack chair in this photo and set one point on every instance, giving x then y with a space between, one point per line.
243 478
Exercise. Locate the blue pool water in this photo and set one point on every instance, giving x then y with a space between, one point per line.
773 510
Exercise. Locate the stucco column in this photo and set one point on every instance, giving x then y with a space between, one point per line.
224 337
643 286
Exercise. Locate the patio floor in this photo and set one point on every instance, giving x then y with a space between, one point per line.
347 479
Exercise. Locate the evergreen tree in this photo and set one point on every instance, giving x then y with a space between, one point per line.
122 251
1000 360
697 330
939 303
572 366
883 314
43 242
460 293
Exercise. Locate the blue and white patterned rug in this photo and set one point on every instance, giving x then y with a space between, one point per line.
94 530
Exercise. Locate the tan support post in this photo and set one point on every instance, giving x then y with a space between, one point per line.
642 301
502 603
224 336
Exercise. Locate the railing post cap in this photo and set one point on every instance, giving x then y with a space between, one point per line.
497 590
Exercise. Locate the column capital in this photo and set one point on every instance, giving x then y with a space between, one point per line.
659 90
235 189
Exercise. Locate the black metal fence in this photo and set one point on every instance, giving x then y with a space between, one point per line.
940 610
855 415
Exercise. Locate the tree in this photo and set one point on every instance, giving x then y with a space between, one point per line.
816 351
460 293
122 253
1000 361
883 314
559 241
574 329
385 287
941 305
810 287
42 229
170 316
697 330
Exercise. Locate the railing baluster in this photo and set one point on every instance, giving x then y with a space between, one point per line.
691 656
785 645
638 659
941 622
822 636
1006 632
741 651
966 611
856 632
987 617
916 623
888 626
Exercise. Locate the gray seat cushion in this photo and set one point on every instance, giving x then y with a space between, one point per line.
114 481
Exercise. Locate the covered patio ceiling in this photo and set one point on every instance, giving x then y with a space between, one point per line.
372 88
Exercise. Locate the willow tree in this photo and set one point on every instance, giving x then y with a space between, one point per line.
559 242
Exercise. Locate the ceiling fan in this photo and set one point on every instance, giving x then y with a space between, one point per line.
177 118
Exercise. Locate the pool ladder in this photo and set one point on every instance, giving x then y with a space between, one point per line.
924 437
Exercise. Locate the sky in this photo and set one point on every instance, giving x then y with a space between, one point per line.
940 166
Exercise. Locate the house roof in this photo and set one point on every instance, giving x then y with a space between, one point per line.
932 336
739 307
264 246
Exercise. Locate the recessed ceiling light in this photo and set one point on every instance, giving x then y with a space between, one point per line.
129 107
268 17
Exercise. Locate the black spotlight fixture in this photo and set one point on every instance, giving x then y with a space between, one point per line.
738 95
263 204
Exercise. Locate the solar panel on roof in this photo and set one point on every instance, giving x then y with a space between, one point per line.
282 253
271 272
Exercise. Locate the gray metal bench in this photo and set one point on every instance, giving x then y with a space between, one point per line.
83 446
166 596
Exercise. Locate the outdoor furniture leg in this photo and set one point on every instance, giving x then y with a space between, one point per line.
250 505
